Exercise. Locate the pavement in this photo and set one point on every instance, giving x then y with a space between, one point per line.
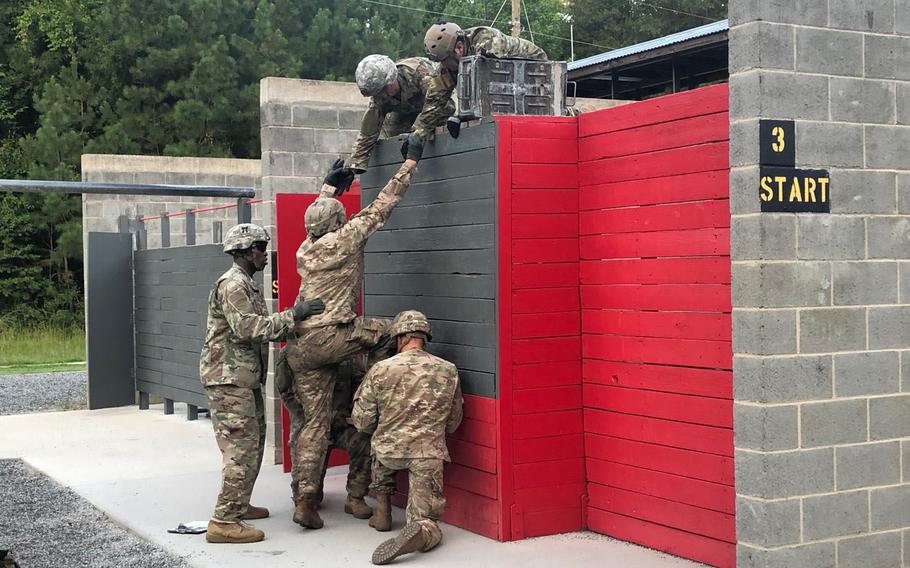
149 471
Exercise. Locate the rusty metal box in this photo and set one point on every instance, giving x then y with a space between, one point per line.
488 86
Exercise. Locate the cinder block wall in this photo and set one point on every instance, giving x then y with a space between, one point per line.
821 319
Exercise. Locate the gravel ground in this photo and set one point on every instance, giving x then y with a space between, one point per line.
46 525
21 394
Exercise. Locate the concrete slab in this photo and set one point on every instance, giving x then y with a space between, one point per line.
149 472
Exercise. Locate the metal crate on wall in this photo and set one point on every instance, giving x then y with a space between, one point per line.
488 86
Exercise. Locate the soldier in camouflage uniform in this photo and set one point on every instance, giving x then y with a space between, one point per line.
447 43
330 263
409 402
232 367
342 434
396 91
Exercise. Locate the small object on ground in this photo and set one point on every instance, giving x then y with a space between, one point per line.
192 527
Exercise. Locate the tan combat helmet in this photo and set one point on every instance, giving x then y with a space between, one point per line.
440 40
373 73
242 237
410 321
324 215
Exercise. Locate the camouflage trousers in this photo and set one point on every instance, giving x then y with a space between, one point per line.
313 358
238 417
342 434
426 502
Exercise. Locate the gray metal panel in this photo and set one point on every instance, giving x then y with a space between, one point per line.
459 237
462 188
457 285
476 136
109 330
432 262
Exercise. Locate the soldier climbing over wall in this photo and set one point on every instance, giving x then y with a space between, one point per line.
330 263
408 403
233 366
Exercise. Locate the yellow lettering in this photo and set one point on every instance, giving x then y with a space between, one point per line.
795 191
823 183
778 146
780 187
810 190
767 193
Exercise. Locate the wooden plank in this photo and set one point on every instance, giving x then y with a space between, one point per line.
476 432
666 432
480 409
471 455
452 309
547 399
545 176
472 512
688 160
683 352
464 164
545 226
473 212
547 424
548 498
549 275
545 150
433 262
455 238
545 250
476 382
549 473
694 492
460 188
669 406
466 356
546 350
651 191
692 270
688 131
706 100
670 325
559 324
687 463
696 242
442 285
551 521
472 480
664 378
542 375
646 218
675 297
551 448
540 127
175 394
479 135
672 541
546 201
464 333
545 300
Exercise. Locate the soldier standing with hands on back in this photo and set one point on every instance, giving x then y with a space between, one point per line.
233 367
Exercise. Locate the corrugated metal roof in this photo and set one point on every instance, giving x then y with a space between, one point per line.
678 37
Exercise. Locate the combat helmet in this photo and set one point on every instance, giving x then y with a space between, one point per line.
242 237
373 73
410 321
440 40
323 216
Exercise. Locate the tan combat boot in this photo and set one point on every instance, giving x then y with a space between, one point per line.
305 513
358 507
232 533
253 512
410 539
382 518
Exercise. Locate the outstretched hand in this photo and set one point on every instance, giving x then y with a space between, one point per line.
340 177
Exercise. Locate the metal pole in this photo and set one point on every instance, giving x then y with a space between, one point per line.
516 18
572 41
50 186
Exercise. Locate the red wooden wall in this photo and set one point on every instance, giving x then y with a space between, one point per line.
656 350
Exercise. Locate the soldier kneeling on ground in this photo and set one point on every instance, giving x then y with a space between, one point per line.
409 402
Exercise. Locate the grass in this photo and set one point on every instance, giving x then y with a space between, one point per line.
41 349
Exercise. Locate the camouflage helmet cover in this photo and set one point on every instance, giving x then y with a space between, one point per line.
324 216
242 237
440 40
410 321
375 72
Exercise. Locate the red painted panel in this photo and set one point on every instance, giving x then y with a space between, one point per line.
668 189
549 399
544 201
670 217
544 150
697 242
688 131
680 543
671 325
708 100
695 492
471 511
708 270
545 300
549 473
472 455
547 424
676 297
669 432
687 463
557 176
550 127
469 479
546 350
541 375
685 352
691 159
559 324
669 406
480 408
552 448
545 226
552 521
550 275
476 432
545 250
684 380
553 497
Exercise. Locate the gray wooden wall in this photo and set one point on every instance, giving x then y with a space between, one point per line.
172 287
437 253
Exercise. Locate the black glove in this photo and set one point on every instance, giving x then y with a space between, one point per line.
339 177
454 126
412 148
306 308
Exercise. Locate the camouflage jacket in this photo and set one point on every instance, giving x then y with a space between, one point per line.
236 345
481 40
331 267
409 402
414 76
